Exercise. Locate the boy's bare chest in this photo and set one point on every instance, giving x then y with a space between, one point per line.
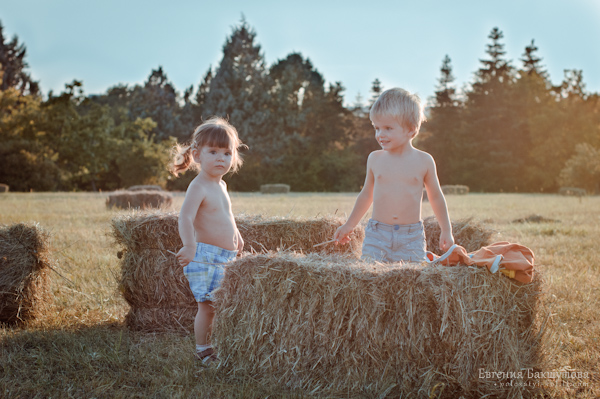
406 175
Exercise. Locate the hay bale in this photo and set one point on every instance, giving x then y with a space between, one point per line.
455 189
336 327
275 188
535 219
24 272
145 187
139 199
153 283
468 233
572 191
4 188
262 234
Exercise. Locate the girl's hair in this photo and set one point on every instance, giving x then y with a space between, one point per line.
215 132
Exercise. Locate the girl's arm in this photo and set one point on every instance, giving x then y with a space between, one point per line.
438 204
363 202
193 199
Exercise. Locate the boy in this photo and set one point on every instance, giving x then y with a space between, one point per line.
396 175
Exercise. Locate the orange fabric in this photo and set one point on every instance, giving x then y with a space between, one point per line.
516 261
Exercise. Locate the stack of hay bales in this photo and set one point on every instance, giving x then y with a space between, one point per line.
142 199
152 282
275 188
336 327
4 188
468 233
24 272
145 187
572 191
455 189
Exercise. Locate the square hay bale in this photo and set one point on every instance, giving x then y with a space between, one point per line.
4 188
455 189
333 326
572 191
139 199
275 188
153 283
24 272
145 187
468 233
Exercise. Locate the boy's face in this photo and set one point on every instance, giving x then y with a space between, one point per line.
389 133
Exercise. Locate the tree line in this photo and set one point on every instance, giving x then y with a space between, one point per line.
509 130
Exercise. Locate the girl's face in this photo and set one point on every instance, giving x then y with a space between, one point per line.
215 161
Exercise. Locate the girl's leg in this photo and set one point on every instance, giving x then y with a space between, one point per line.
203 322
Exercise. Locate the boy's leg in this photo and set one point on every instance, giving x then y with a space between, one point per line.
203 322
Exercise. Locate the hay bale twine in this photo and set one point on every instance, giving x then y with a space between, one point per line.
274 188
153 283
455 189
145 187
468 233
24 272
139 199
4 188
336 327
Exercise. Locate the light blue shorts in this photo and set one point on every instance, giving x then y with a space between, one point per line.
394 243
205 272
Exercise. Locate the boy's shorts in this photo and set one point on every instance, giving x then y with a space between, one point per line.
205 272
394 243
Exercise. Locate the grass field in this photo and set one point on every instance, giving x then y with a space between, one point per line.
82 349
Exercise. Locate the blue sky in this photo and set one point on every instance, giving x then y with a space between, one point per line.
402 43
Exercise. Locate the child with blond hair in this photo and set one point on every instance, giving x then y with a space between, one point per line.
207 226
396 175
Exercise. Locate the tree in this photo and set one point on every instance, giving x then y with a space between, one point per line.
442 132
240 92
13 66
376 90
582 169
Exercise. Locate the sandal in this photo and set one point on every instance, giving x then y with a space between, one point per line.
207 356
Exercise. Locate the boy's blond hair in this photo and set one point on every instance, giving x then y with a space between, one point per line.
402 105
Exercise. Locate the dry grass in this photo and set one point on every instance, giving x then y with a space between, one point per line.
83 349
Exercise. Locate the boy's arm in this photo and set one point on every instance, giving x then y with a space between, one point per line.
438 204
193 199
363 202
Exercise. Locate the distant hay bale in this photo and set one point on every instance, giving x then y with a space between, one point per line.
139 199
152 282
468 233
536 219
145 187
24 272
275 188
455 189
4 188
572 191
336 327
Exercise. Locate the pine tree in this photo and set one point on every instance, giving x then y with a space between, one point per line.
13 66
239 91
376 90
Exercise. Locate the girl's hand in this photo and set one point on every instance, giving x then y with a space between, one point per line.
446 241
342 234
240 243
186 255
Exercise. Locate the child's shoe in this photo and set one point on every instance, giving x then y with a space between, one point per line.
207 356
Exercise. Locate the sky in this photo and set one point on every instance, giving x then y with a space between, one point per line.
402 43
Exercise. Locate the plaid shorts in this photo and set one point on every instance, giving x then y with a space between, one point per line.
205 272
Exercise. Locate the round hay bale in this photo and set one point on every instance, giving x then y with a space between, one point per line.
4 188
468 233
337 327
455 189
139 199
146 187
275 188
24 272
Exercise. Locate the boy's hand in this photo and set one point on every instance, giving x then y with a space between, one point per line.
342 234
446 240
186 255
